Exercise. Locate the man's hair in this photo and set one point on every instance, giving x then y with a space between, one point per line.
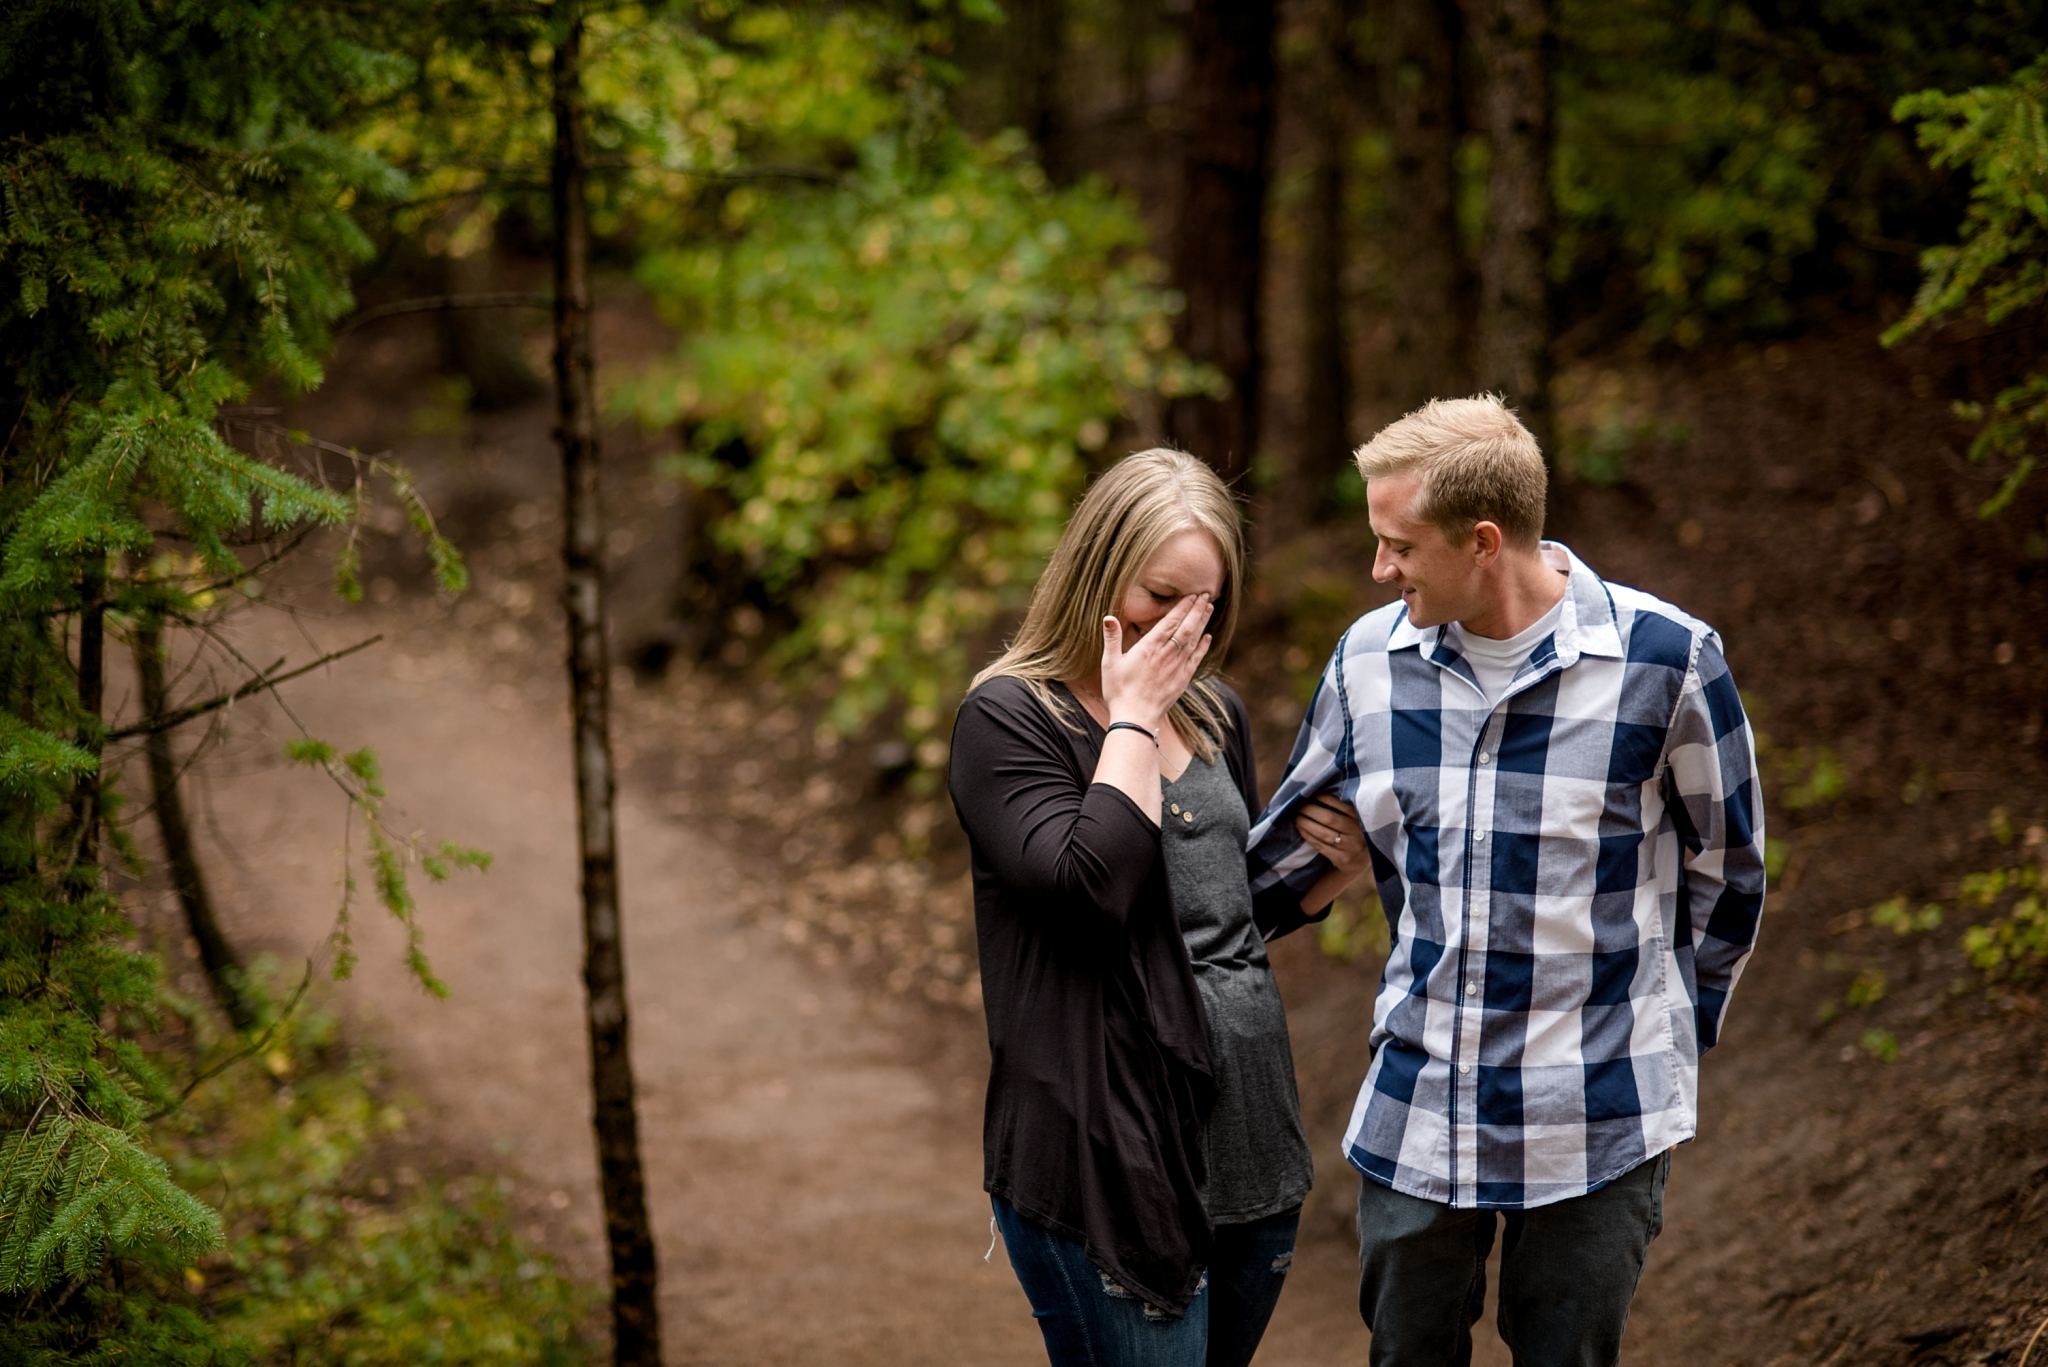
1477 462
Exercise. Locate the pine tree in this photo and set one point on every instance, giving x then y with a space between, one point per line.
175 183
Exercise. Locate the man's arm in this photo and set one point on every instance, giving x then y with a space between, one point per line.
1284 867
1718 809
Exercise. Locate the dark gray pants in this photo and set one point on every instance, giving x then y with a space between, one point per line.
1568 1272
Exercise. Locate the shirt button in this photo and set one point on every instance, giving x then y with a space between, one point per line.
1465 1068
1479 837
1174 808
1485 758
1188 817
1471 989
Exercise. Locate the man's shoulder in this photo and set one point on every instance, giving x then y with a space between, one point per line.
1653 631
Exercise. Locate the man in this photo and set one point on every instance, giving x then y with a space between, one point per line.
1557 788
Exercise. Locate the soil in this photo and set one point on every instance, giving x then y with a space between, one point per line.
805 1012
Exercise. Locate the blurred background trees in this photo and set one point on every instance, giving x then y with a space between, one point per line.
928 265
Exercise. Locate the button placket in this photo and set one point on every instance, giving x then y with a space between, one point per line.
1470 997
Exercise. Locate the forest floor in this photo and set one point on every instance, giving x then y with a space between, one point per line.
805 1019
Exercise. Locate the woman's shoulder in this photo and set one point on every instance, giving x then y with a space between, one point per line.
1009 703
1005 693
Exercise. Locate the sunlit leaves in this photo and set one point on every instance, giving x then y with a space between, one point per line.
1999 134
894 382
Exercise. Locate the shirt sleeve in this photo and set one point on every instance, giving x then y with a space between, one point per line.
1713 793
1283 866
1040 828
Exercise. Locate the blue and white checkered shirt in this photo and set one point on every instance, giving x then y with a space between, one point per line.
1572 878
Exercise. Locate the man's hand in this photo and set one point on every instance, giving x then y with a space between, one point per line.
1332 829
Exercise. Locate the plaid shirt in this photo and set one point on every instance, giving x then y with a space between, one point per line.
1572 878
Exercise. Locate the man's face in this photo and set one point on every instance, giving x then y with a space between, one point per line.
1440 582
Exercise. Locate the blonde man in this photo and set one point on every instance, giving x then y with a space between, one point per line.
1557 785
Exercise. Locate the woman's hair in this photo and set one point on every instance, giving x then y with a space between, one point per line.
1122 521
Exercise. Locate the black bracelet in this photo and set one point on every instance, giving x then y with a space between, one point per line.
1130 726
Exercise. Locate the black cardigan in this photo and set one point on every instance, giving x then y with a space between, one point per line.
1099 1078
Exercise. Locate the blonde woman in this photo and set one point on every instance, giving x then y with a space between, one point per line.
1142 1138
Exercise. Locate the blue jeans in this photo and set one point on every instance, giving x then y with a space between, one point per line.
1568 1272
1088 1320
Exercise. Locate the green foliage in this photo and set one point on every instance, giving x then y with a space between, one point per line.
2013 946
1354 929
176 181
1999 134
1880 1044
1866 988
360 779
1716 159
1902 919
337 1254
1803 775
894 379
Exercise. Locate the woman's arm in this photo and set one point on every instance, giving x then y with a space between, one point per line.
1331 826
1038 825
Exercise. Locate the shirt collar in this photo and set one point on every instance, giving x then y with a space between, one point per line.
1586 626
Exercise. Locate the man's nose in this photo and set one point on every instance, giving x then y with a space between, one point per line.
1382 567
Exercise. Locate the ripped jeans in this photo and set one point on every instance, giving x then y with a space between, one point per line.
1090 1321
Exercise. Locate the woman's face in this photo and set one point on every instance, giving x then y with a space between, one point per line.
1189 563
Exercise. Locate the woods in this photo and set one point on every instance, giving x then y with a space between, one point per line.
879 288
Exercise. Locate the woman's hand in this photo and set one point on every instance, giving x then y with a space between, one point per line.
1140 684
1332 829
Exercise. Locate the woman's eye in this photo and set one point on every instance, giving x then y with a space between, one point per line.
1160 597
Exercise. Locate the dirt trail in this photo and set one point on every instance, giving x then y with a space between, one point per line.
814 1169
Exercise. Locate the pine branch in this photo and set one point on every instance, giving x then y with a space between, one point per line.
442 303
262 681
291 1005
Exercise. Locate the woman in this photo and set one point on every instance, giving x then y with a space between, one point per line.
1142 1138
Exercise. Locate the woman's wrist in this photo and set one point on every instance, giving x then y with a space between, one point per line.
1137 717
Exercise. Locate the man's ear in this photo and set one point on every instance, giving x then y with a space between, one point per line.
1486 543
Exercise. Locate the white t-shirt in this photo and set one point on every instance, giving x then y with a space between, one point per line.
1497 662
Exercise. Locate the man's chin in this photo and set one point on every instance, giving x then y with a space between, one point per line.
1419 616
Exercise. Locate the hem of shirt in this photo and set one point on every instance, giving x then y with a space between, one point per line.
1263 1210
1351 1157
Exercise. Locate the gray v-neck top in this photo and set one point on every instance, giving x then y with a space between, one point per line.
1258 1157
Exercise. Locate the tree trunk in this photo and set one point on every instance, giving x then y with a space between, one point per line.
1515 43
1035 37
1220 224
636 1323
224 971
1429 283
92 687
1326 383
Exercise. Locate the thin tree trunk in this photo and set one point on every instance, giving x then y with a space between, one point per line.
92 687
1326 383
1429 284
1036 41
224 971
1514 42
1220 228
636 1323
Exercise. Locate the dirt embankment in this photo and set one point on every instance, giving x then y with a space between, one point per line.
802 970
